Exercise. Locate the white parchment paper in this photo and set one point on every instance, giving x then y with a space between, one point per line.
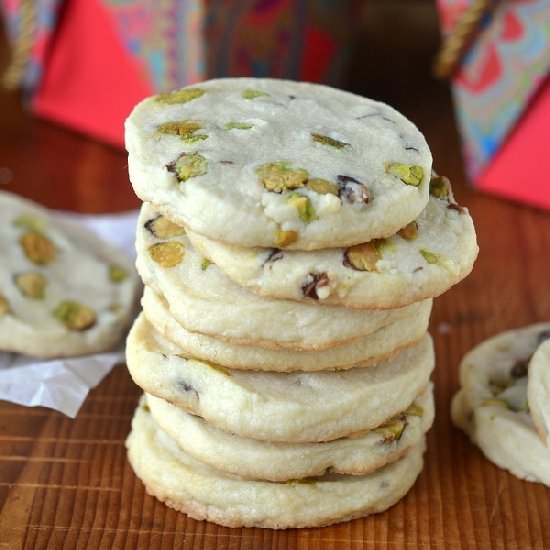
63 384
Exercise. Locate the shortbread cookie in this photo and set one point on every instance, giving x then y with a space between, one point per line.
361 352
63 291
204 300
278 406
538 387
204 493
252 459
492 405
229 157
423 260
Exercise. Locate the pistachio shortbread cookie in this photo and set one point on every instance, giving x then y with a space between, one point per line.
270 406
63 291
538 387
423 260
253 459
228 158
190 284
364 351
492 406
204 493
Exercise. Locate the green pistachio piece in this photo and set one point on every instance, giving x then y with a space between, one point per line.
409 174
409 232
327 140
415 410
440 187
303 206
30 222
146 408
284 238
205 263
392 430
364 256
190 166
195 138
249 93
180 96
75 316
238 126
182 128
167 254
31 284
117 274
322 186
281 176
163 228
37 247
430 257
4 306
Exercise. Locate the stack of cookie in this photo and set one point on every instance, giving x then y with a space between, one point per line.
290 248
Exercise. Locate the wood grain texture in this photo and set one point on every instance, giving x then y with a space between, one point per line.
66 483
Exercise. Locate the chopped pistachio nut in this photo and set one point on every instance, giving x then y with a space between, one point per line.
409 232
364 256
327 140
409 174
322 186
163 228
167 254
37 247
305 481
392 430
117 274
75 316
249 93
281 176
440 187
430 257
284 238
28 221
31 284
220 369
238 126
190 165
182 128
146 408
303 206
495 403
205 263
415 410
180 96
4 306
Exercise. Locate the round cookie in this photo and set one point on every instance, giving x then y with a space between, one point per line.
207 494
269 406
190 284
63 291
228 157
423 260
252 459
361 352
538 387
492 408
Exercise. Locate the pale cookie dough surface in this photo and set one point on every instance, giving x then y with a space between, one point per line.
202 492
492 406
278 406
62 290
538 389
252 459
385 274
204 300
361 352
316 132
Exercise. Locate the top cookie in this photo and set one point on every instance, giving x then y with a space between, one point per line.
272 163
63 291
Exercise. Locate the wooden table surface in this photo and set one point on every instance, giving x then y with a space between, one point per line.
66 483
